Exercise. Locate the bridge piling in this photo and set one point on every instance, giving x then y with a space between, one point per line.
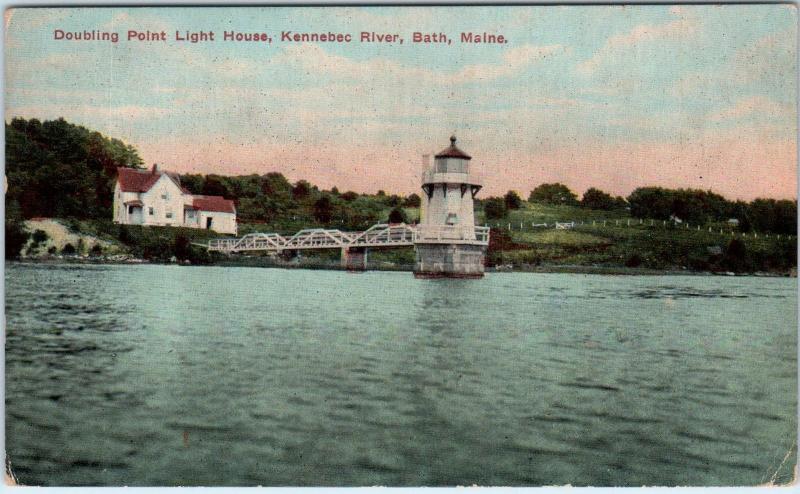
354 258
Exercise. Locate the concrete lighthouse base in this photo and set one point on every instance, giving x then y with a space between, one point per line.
449 261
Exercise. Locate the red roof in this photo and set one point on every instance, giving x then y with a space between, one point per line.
213 203
133 180
453 151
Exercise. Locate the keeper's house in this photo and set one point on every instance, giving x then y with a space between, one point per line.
156 198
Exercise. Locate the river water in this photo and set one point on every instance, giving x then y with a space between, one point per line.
167 375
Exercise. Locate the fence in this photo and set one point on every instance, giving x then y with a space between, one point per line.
633 222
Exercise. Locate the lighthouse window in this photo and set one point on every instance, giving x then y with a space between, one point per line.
451 165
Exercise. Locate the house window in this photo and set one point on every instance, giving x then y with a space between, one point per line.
169 214
150 211
165 194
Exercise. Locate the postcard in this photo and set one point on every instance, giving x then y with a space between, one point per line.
427 246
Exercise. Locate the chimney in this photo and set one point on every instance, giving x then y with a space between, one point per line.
155 169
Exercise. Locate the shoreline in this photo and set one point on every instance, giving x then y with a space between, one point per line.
540 269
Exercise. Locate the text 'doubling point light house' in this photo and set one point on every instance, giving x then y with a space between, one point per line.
448 244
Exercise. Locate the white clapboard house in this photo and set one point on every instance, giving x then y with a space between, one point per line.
156 198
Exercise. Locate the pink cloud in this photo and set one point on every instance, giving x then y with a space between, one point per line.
745 165
754 105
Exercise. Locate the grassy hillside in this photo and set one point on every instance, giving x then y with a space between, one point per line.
546 213
622 242
654 245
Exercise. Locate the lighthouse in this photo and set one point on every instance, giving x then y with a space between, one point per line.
448 244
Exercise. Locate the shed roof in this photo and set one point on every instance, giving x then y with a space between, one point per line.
213 203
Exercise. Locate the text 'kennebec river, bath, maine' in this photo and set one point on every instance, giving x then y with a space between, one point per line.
133 35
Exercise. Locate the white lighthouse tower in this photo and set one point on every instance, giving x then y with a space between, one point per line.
448 244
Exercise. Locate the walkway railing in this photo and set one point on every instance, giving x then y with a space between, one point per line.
381 235
452 234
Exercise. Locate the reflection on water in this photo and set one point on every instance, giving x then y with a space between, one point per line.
163 375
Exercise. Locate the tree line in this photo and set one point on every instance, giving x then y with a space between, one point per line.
695 206
58 169
272 199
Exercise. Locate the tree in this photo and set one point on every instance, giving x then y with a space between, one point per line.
301 190
16 234
349 196
397 215
412 201
555 193
735 257
275 184
650 202
512 200
495 208
182 248
245 186
214 186
193 183
633 261
323 210
393 200
694 206
597 199
769 215
499 242
40 236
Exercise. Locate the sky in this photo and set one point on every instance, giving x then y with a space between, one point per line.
613 97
